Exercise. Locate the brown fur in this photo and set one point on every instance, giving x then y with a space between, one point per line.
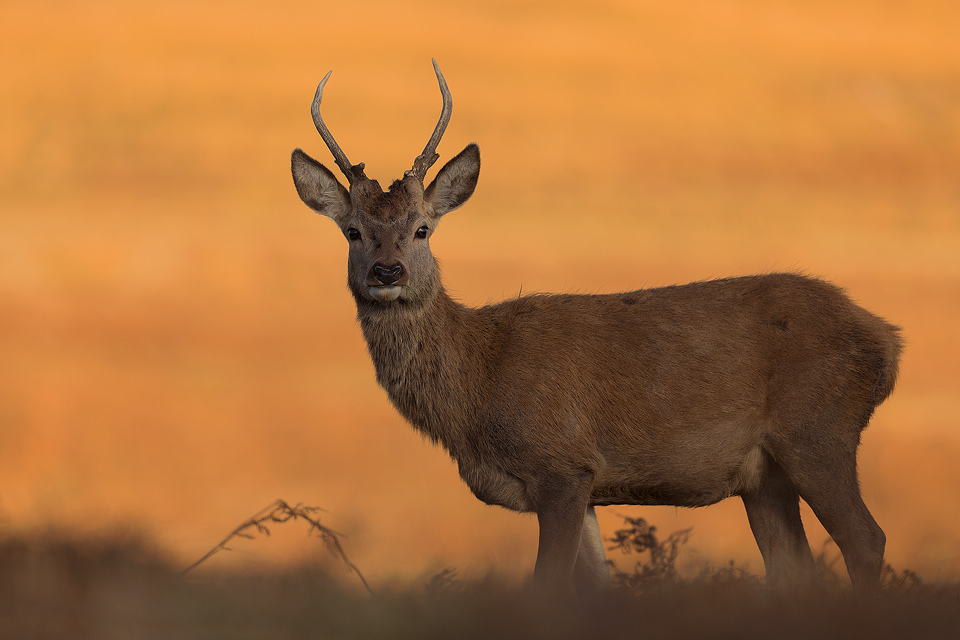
755 386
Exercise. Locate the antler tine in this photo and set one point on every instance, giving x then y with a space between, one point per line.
426 159
352 172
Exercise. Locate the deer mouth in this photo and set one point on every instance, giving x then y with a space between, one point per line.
385 292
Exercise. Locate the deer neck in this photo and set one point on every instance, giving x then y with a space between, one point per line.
426 357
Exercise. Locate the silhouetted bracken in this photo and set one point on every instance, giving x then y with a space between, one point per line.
639 537
280 512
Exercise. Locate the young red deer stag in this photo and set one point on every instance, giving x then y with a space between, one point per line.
754 386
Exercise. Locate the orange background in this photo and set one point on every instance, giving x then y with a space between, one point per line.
177 344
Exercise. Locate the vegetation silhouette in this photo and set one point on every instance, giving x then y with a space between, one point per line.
54 584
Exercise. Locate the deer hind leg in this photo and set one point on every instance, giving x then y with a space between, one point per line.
850 524
827 481
773 509
590 572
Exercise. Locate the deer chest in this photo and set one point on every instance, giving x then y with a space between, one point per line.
492 485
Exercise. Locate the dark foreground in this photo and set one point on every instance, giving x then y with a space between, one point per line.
51 587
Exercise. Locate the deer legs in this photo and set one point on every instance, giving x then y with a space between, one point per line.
591 573
831 489
773 510
833 492
571 548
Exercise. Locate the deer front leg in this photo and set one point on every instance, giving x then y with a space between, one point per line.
591 573
561 508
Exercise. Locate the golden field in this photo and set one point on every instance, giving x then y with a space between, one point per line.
177 344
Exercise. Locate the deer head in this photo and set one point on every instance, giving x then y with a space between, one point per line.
389 232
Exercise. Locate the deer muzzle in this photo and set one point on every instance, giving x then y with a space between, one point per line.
386 282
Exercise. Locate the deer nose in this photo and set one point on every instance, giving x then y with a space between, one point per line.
387 275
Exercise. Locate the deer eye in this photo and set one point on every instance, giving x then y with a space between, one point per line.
353 234
423 231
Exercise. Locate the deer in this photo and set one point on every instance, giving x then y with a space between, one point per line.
754 386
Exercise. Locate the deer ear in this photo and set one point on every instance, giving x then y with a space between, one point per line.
318 188
454 183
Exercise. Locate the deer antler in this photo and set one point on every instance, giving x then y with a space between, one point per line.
353 172
426 159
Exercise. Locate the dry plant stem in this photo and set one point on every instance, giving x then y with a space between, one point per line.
278 512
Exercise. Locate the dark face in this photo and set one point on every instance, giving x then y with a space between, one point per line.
390 263
389 235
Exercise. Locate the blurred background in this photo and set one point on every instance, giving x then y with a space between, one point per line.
177 344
